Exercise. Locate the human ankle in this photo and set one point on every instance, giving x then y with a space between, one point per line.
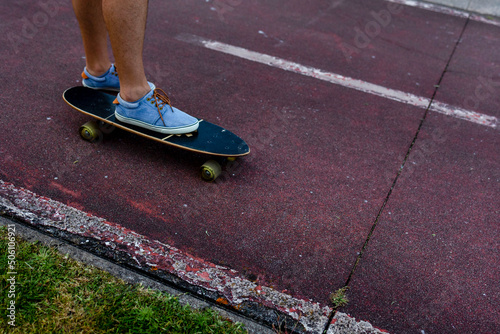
98 69
134 93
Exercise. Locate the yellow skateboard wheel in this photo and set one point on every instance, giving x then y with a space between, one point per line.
210 170
90 131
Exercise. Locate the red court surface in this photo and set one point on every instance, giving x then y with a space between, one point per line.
434 254
293 215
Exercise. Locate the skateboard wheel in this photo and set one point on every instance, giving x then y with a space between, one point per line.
210 170
90 131
231 159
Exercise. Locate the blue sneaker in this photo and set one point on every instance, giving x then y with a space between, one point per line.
107 81
154 112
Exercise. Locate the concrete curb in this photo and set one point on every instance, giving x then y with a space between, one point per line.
138 259
32 235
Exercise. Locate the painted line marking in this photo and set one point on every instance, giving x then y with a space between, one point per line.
447 10
337 79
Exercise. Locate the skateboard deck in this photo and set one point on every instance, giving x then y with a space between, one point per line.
209 139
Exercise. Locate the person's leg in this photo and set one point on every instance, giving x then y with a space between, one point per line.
138 102
94 34
126 24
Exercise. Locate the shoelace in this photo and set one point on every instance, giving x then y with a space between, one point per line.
161 98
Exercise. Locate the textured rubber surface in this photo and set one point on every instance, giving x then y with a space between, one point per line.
296 212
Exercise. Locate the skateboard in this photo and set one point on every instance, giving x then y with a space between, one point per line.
210 139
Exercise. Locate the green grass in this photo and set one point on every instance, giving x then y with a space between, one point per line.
55 294
339 297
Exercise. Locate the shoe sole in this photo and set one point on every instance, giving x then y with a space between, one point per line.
161 129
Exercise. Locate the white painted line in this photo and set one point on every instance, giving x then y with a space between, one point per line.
446 10
337 79
432 7
468 115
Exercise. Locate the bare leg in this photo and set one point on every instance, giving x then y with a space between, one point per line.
94 35
126 24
